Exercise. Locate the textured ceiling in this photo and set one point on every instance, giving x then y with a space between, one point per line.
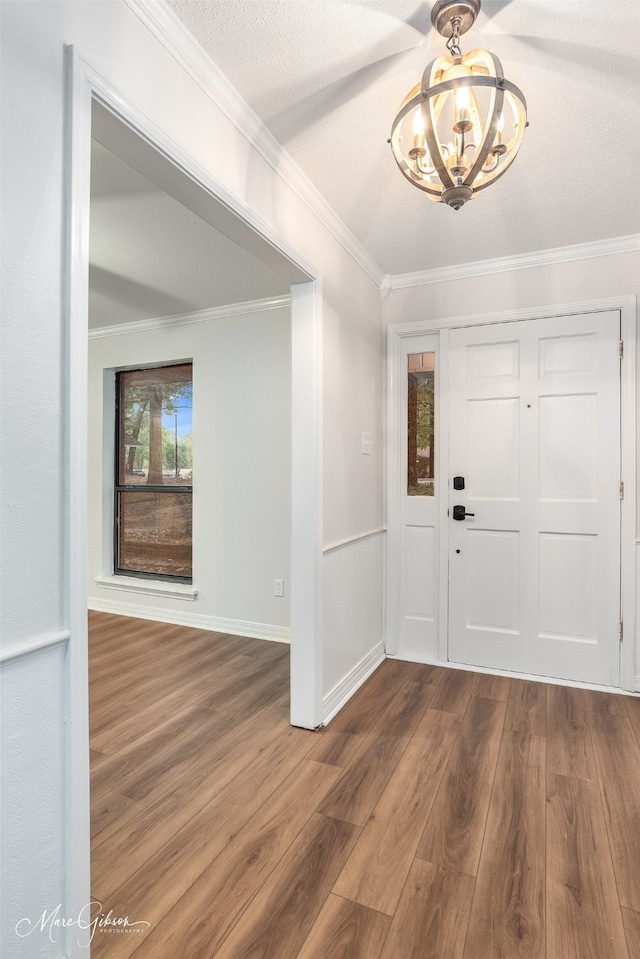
150 256
327 77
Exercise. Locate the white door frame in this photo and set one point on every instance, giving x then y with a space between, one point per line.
628 401
84 85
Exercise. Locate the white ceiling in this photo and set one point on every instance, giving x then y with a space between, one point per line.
150 256
327 77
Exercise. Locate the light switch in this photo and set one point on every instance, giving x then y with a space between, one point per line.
366 444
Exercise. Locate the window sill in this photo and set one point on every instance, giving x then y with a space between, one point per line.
131 584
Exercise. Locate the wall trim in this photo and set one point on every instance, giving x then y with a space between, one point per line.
169 30
627 304
215 624
149 587
519 261
354 539
76 299
355 678
198 316
17 650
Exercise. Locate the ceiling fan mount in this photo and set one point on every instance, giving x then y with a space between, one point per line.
447 15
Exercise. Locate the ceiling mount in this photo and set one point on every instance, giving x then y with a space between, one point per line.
446 12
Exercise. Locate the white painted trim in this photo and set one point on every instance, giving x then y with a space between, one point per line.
355 678
214 624
149 587
18 650
414 328
354 539
531 677
392 499
306 505
519 261
169 30
627 305
636 608
77 192
198 316
629 451
442 473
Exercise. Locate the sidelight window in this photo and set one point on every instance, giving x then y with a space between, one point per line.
420 424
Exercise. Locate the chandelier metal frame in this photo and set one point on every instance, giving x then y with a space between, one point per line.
470 90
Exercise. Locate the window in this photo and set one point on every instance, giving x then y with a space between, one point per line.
154 472
420 426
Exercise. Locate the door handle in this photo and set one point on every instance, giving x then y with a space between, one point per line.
460 513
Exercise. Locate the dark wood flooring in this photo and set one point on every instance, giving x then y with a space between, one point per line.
442 815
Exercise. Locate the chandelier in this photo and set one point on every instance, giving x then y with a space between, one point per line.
459 129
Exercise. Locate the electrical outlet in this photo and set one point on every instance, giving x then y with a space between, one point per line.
278 587
366 444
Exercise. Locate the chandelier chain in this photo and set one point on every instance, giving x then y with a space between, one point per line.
453 43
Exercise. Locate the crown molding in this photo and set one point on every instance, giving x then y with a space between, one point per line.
169 30
385 286
519 261
200 316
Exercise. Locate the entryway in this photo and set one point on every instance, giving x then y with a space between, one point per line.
505 522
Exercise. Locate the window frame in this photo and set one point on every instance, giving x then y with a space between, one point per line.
119 488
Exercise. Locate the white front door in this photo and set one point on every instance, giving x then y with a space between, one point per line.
534 439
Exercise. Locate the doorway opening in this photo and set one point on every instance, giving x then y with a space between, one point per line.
95 106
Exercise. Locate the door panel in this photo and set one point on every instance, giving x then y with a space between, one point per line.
493 438
534 574
568 613
420 559
493 601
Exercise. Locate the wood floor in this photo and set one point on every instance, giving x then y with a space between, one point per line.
441 815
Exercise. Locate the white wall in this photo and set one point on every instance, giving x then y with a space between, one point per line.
242 467
35 588
32 713
567 281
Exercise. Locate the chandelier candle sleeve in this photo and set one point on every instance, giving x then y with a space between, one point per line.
459 130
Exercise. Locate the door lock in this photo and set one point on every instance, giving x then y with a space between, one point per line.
460 513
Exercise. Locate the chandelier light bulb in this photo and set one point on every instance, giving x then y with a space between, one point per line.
419 148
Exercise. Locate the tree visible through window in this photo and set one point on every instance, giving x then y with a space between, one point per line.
420 424
154 472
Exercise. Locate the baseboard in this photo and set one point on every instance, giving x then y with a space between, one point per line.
236 627
340 694
510 674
